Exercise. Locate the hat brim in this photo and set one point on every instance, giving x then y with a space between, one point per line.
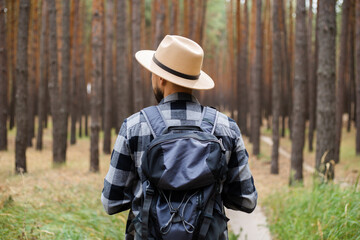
144 57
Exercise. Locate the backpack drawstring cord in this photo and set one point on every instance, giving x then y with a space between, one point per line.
175 211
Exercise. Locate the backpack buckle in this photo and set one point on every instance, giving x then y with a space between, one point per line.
149 190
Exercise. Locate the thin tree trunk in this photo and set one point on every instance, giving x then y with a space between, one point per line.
341 76
97 38
230 65
325 120
245 70
174 17
74 107
21 91
357 49
311 85
65 73
136 70
350 76
13 50
186 29
276 86
108 74
160 18
53 84
122 75
32 74
300 72
256 81
42 83
3 78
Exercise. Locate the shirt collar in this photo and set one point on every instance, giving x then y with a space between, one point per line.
179 96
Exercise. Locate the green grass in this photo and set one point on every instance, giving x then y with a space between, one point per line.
323 212
72 213
55 203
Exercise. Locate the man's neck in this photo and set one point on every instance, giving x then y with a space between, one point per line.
170 90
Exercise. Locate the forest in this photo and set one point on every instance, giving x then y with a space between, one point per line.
287 71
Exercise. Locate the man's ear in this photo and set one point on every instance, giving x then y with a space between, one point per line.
162 81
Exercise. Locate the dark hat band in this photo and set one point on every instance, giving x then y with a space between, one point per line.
176 73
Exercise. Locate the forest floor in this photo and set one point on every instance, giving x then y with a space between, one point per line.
57 203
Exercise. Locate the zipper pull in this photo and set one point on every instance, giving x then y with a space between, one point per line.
222 145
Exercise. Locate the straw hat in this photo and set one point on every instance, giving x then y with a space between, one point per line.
177 60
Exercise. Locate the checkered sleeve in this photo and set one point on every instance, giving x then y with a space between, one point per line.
239 191
117 193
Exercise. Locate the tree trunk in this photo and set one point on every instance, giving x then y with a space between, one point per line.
32 74
276 86
186 12
53 84
21 91
97 46
160 18
3 78
311 85
174 17
300 73
286 85
357 49
256 81
350 76
136 69
325 119
74 106
109 13
14 25
230 65
122 74
341 76
65 73
42 82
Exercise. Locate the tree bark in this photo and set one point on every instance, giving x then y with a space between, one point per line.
341 76
256 81
325 120
357 49
32 73
14 25
300 73
350 70
21 91
136 69
160 18
3 78
65 73
53 84
122 74
311 85
174 17
276 86
97 46
74 107
42 82
108 74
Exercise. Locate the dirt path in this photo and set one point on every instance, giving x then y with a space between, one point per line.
249 226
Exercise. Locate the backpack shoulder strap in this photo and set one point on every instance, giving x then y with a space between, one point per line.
155 120
209 119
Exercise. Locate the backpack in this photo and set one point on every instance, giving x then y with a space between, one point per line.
182 172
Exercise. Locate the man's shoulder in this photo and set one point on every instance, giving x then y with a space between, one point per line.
227 123
134 120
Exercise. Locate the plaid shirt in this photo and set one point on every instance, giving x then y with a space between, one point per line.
122 186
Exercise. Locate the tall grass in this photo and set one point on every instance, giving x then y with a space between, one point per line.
324 211
74 212
55 203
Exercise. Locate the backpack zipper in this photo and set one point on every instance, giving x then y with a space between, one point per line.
219 141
